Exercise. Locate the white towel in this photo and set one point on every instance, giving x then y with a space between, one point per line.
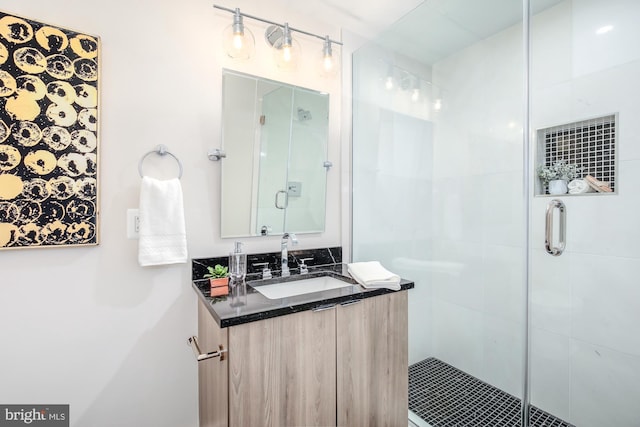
579 186
372 274
163 239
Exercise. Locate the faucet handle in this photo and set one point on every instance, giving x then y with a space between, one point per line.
292 236
304 267
266 272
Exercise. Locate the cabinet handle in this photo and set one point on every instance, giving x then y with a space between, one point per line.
200 356
323 307
352 302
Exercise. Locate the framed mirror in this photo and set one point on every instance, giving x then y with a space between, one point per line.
275 138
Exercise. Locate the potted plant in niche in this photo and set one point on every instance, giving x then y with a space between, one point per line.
219 279
556 176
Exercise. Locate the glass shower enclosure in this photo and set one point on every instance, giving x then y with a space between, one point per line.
469 99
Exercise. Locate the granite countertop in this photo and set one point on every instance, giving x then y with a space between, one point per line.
244 304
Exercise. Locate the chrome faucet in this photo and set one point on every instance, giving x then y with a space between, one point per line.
285 253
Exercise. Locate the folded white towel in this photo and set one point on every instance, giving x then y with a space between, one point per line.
372 274
579 186
163 239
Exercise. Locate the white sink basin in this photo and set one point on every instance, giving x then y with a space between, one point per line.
301 287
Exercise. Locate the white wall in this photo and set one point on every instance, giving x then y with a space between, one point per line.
88 326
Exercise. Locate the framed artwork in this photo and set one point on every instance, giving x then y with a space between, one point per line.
48 135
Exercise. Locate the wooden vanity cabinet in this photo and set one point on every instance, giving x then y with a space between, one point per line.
344 366
213 374
372 362
282 371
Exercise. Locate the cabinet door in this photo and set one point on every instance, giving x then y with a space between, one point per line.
282 371
212 373
372 362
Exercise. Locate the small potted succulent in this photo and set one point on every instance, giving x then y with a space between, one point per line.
557 175
219 279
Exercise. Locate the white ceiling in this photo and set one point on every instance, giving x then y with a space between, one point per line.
438 28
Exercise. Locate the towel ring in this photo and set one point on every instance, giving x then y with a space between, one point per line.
160 150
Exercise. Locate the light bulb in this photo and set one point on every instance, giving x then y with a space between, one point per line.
327 55
286 50
328 64
415 95
388 83
238 40
286 53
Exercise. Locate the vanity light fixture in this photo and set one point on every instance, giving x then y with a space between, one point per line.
279 37
328 63
239 42
286 50
327 54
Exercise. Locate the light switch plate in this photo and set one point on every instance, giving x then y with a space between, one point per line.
133 224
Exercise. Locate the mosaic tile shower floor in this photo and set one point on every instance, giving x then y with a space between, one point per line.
445 396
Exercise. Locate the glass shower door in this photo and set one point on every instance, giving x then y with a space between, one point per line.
275 134
438 198
585 99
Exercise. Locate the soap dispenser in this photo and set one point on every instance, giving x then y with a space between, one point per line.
237 263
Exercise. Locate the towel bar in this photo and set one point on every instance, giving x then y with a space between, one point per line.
200 356
160 150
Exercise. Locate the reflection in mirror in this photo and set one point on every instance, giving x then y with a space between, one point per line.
275 138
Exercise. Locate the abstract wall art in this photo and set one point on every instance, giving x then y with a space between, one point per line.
48 135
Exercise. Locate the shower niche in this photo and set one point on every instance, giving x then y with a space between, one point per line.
585 149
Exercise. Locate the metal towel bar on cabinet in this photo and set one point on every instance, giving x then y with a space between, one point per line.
200 356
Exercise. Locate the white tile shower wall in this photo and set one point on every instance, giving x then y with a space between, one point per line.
583 301
604 301
502 268
595 49
458 336
550 296
392 181
478 210
502 343
605 385
582 297
550 363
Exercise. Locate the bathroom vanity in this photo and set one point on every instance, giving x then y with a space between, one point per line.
330 357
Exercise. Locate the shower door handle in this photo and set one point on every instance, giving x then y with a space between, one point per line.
548 236
286 199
